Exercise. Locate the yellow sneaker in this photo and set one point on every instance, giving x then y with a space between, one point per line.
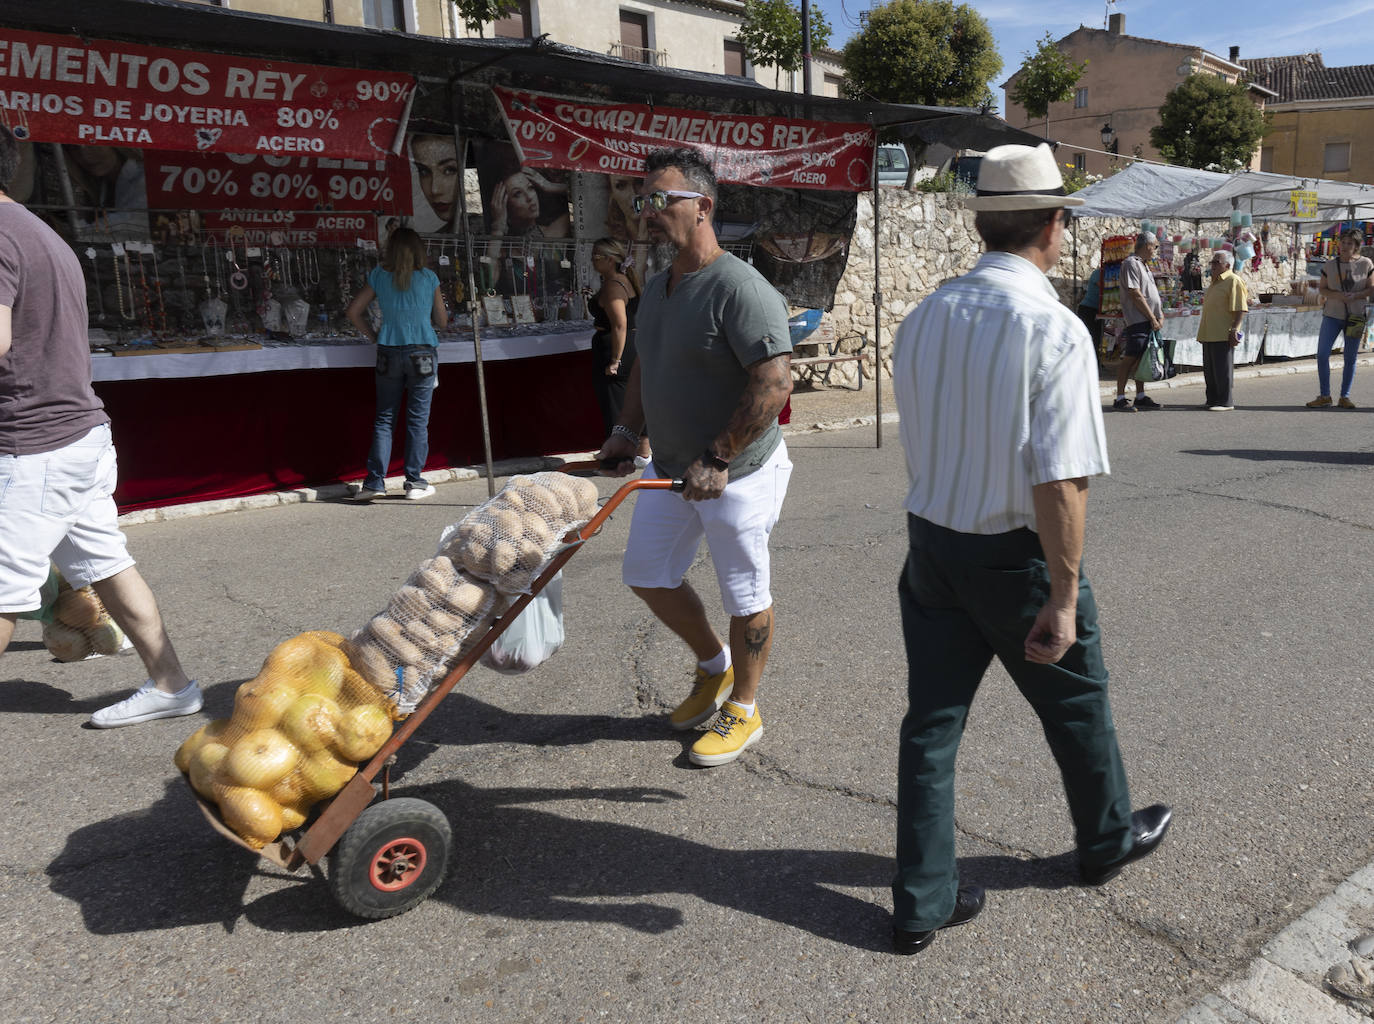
708 694
731 735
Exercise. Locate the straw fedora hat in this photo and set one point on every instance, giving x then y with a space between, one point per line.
1020 178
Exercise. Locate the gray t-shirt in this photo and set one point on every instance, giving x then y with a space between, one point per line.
695 347
46 398
1135 274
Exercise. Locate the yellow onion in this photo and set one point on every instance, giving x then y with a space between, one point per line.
312 722
254 815
362 731
262 759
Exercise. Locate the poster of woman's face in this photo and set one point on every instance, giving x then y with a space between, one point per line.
520 201
435 179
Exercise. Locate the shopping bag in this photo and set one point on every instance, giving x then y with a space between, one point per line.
1151 365
534 637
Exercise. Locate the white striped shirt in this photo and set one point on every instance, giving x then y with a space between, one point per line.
996 384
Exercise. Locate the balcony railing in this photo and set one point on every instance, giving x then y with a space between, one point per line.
640 55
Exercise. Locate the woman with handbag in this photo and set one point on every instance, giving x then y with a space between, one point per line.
1345 288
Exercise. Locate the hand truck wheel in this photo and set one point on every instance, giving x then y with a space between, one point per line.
391 858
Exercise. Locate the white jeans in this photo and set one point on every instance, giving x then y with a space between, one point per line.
666 531
59 506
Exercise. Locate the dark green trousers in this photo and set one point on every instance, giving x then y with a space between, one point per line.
966 598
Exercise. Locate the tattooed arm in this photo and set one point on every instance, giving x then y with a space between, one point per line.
770 382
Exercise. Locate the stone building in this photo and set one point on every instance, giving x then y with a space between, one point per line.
1323 118
1116 101
690 35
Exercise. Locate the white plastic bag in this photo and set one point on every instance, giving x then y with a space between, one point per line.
534 637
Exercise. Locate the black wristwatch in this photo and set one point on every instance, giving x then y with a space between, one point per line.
714 461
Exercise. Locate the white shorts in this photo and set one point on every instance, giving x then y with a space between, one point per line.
59 506
666 531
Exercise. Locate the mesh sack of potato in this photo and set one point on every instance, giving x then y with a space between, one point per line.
509 538
78 626
298 731
429 624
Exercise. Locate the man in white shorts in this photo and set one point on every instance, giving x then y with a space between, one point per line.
713 372
57 461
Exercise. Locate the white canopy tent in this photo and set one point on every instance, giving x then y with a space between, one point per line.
1143 190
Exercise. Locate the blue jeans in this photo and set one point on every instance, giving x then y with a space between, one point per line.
402 369
1331 329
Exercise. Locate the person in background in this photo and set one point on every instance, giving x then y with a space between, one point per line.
714 369
613 343
1090 306
996 515
1143 312
1223 310
1345 288
58 466
412 306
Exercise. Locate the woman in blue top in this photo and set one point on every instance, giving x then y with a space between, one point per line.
407 357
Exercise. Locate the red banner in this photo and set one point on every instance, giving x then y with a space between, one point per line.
614 138
217 181
93 92
289 227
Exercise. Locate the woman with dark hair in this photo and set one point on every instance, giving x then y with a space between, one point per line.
613 346
527 203
407 357
435 158
1345 289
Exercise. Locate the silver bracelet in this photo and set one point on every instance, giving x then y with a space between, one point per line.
626 433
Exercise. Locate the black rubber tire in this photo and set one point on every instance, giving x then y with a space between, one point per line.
391 858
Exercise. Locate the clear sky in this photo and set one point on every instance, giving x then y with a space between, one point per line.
1341 30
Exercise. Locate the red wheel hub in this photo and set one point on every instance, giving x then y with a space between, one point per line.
397 864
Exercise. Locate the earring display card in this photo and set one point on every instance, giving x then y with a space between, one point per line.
495 308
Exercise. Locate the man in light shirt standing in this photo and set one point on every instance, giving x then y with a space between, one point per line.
1223 310
1143 312
996 384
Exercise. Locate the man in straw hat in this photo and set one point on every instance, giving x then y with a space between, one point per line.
996 383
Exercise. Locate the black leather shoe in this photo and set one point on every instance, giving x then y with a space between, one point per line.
1148 827
966 907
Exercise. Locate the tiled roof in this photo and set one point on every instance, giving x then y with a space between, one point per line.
1304 76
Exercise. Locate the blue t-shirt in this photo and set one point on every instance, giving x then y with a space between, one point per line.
405 315
1092 298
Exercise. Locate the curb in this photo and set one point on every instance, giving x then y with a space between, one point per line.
1284 983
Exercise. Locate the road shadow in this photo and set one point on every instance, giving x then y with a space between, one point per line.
163 868
518 862
1279 455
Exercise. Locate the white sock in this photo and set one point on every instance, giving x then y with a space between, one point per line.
715 666
748 709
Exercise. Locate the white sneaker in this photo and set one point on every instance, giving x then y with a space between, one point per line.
365 494
418 491
148 703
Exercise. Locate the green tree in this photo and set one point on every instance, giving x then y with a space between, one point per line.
770 33
1208 123
1048 76
476 13
931 52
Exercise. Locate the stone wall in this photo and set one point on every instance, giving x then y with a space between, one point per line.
927 238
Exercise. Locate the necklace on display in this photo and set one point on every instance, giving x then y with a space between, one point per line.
160 324
124 310
147 319
95 274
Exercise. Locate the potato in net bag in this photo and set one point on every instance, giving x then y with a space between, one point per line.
509 538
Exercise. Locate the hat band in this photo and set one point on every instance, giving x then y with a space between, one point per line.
1025 192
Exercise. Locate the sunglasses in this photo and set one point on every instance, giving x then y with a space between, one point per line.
659 200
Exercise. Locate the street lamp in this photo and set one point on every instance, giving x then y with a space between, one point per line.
1109 139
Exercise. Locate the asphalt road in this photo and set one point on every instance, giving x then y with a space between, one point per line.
599 877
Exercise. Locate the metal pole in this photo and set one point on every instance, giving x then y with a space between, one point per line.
806 46
473 303
65 183
877 300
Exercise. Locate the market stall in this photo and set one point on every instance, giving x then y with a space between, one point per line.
226 205
1257 217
